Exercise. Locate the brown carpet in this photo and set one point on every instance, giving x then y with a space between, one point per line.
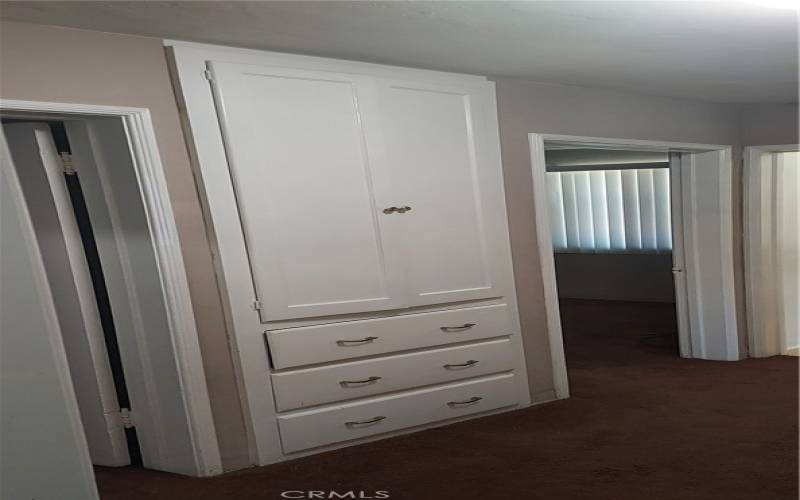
641 424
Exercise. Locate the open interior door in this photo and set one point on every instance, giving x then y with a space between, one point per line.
42 179
43 452
703 255
772 240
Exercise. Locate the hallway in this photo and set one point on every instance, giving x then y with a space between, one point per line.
642 423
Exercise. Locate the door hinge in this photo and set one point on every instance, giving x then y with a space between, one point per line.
257 305
207 75
66 164
126 418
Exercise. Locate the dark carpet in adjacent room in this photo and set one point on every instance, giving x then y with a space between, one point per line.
642 423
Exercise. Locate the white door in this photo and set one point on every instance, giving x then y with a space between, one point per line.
444 167
678 259
43 453
703 255
772 238
309 169
42 178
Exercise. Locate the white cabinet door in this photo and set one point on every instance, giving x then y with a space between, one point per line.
445 167
309 168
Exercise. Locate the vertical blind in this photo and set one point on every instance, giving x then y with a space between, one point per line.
610 210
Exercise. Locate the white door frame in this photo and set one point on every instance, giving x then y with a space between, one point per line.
543 235
205 459
760 273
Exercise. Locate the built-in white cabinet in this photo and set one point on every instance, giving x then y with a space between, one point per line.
361 241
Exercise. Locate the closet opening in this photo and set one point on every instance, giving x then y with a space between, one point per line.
91 182
43 158
611 228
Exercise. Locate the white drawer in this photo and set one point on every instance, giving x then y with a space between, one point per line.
357 379
318 427
335 341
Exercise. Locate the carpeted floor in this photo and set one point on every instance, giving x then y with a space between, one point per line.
641 424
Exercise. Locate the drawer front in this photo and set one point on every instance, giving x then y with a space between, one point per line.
357 379
313 428
353 339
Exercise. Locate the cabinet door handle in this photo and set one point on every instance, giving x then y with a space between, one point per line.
403 210
368 380
365 340
465 326
470 401
373 420
467 364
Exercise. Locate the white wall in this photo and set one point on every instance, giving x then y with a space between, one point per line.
43 451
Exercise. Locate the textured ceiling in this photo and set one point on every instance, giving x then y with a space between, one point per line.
734 51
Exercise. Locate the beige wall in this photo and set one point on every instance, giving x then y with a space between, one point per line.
526 107
769 124
43 63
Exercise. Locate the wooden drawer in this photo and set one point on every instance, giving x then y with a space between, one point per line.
319 427
357 379
353 339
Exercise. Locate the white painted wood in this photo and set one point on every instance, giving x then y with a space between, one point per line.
42 179
352 339
678 259
103 159
202 455
544 242
442 167
357 379
770 240
322 426
306 157
708 250
44 454
188 63
787 258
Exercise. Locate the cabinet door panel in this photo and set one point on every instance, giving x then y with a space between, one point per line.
309 169
436 140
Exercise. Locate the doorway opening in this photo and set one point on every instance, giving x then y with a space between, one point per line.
679 212
43 158
611 229
94 190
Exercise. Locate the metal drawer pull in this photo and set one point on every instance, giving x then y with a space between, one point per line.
471 362
400 210
465 326
365 340
373 420
369 380
470 401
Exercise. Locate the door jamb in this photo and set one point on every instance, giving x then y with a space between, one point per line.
172 275
543 234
